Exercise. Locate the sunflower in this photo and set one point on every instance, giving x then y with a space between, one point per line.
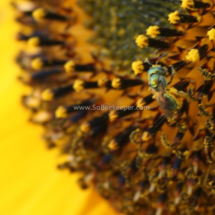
30 183
138 126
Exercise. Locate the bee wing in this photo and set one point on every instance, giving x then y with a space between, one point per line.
166 102
167 105
161 86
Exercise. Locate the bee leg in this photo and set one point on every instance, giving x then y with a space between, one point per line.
177 92
170 79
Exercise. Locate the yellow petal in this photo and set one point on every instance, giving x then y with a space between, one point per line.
30 182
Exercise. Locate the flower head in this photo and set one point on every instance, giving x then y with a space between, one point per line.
158 159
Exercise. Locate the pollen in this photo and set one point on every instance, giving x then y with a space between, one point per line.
113 115
26 78
199 18
187 4
140 103
69 66
47 95
211 34
85 127
37 63
33 102
142 41
78 85
153 31
34 42
174 17
113 145
39 14
116 83
61 112
146 136
102 81
186 154
193 55
41 117
137 67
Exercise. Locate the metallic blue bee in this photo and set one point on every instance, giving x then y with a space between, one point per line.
158 84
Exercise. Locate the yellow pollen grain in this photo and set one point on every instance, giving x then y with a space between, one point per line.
71 128
174 17
39 14
113 145
26 78
146 136
153 31
41 117
199 18
211 183
78 85
211 34
61 112
47 95
186 154
187 4
102 81
193 55
85 127
33 102
69 66
37 63
113 115
116 83
142 41
140 103
33 42
137 67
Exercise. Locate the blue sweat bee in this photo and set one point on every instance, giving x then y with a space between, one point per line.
158 84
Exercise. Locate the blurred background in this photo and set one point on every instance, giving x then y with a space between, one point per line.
29 181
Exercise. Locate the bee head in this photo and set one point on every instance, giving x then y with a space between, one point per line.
156 69
156 79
